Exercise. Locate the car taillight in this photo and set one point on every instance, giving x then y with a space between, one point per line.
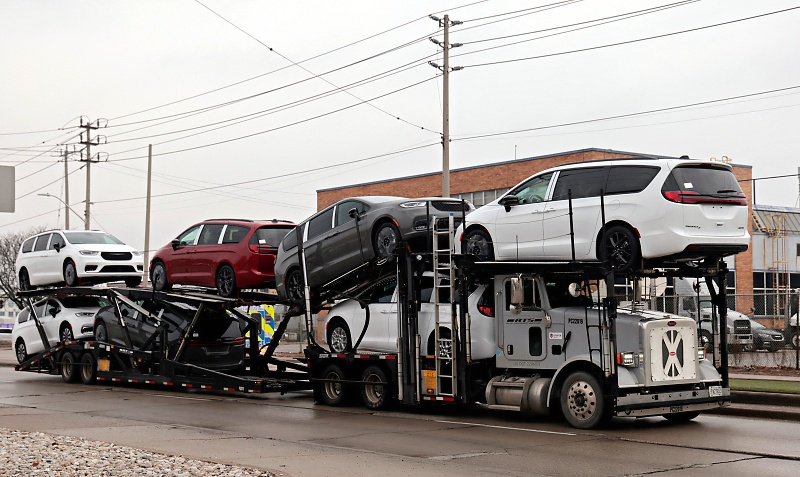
692 197
236 341
486 310
262 249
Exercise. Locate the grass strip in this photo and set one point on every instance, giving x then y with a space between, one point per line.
765 386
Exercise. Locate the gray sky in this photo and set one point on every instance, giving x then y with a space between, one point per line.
124 61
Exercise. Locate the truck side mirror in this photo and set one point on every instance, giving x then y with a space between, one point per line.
509 201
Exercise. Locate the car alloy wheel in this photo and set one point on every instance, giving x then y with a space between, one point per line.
70 274
24 280
339 338
66 334
621 248
478 243
226 281
295 286
21 351
159 277
386 238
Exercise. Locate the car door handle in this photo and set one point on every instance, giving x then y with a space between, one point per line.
331 236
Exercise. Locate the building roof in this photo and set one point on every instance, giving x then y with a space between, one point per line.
524 159
766 217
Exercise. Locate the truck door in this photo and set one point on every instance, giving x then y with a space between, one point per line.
522 333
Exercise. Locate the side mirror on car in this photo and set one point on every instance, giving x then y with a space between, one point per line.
509 201
57 246
353 213
175 244
54 312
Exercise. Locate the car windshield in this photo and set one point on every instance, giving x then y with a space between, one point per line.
84 302
83 238
756 325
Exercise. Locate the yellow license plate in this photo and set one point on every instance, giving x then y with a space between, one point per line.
429 380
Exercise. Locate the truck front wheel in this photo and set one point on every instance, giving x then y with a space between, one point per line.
582 401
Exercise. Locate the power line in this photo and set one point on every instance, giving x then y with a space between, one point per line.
46 185
627 115
491 63
520 11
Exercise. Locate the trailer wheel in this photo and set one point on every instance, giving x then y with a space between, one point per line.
681 416
69 367
582 401
88 368
375 390
334 391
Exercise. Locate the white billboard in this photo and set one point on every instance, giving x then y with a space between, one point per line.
6 189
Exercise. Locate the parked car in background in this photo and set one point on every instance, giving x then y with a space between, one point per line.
659 210
216 343
226 254
345 320
75 257
336 244
65 318
766 338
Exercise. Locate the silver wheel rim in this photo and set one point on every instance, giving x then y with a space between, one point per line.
386 241
581 401
374 390
69 274
101 334
333 388
159 277
338 339
21 351
66 334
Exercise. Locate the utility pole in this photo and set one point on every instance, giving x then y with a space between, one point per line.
445 69
66 190
88 160
147 214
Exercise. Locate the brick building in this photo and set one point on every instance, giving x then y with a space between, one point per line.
483 184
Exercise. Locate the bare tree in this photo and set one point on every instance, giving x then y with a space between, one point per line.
9 247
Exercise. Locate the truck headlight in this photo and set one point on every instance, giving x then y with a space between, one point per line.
626 359
701 353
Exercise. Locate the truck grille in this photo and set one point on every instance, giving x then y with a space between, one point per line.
116 256
741 327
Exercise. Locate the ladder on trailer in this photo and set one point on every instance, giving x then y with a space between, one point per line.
444 293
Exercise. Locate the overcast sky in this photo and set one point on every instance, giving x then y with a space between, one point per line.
230 91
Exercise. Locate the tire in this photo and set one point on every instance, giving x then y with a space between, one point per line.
24 280
339 339
295 286
385 239
158 277
71 274
375 395
69 368
621 249
333 393
682 416
478 243
133 282
795 340
88 368
21 350
226 281
583 402
101 332
66 334
445 349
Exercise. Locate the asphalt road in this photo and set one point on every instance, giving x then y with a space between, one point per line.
291 435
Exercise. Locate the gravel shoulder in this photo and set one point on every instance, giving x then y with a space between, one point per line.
36 453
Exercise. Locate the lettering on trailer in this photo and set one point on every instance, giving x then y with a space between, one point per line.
575 321
522 320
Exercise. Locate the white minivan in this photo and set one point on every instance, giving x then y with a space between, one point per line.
656 210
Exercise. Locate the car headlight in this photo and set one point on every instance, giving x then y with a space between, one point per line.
89 252
137 253
84 314
414 203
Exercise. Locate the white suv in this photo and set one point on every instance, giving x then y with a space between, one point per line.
75 257
659 210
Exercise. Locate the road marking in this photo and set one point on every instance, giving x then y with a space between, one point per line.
509 428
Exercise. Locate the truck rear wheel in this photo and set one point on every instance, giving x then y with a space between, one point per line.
333 389
88 368
583 402
375 390
69 367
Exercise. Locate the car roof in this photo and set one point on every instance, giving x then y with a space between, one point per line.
249 221
638 161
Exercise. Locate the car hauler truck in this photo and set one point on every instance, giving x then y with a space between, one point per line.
562 346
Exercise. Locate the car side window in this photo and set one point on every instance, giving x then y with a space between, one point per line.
56 239
41 243
53 305
583 182
290 241
234 233
210 234
40 308
630 179
533 190
320 224
384 292
188 237
531 301
28 245
343 211
23 316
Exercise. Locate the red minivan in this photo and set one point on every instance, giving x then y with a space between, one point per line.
226 254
